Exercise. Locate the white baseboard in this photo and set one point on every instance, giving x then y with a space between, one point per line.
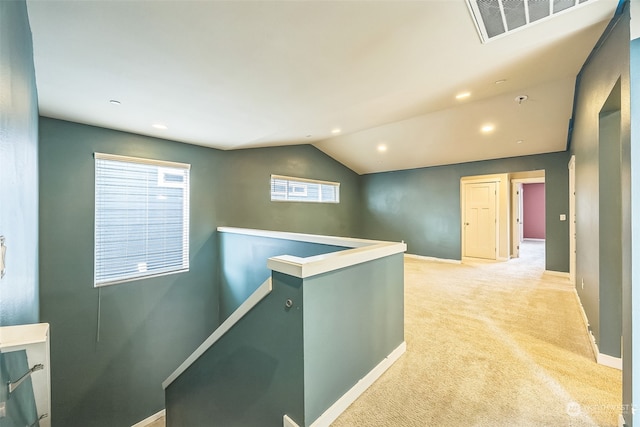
594 346
151 419
601 359
621 421
288 422
531 239
334 411
610 361
434 259
557 274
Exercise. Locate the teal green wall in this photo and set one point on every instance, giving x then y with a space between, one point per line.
248 199
300 360
243 266
599 176
18 166
422 206
146 327
353 319
116 381
20 405
253 375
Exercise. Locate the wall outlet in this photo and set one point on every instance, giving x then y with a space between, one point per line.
563 217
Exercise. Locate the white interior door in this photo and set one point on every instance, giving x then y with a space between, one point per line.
480 220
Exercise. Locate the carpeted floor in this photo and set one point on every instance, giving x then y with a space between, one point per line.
491 344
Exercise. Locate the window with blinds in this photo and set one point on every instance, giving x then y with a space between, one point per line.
289 189
141 218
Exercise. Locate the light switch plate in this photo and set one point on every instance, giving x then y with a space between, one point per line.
563 217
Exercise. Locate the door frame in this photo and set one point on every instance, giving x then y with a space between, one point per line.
572 219
499 180
516 238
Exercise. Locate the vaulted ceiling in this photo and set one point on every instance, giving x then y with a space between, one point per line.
371 83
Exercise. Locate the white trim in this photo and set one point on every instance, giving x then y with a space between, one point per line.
151 419
479 179
313 181
262 291
348 242
531 180
14 338
601 359
363 251
621 421
585 321
433 259
288 422
128 159
572 219
531 239
314 265
610 361
334 411
553 273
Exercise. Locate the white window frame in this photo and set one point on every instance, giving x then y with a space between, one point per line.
142 261
295 183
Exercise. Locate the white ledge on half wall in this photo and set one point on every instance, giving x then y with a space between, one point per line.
361 251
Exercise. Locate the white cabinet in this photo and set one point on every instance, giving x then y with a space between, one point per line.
32 341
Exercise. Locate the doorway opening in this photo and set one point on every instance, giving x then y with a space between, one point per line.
528 216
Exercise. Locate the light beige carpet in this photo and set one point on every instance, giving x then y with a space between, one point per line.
491 344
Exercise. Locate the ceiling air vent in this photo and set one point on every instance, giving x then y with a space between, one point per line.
498 17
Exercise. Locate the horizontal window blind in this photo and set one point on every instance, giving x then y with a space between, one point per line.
285 188
141 218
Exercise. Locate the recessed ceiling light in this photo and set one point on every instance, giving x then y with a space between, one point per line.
382 148
463 95
519 141
336 131
499 82
159 126
114 102
487 128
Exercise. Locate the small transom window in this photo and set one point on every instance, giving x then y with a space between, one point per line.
290 189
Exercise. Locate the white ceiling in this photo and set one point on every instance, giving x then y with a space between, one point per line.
238 74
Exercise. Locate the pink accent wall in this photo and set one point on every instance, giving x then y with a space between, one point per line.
533 207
